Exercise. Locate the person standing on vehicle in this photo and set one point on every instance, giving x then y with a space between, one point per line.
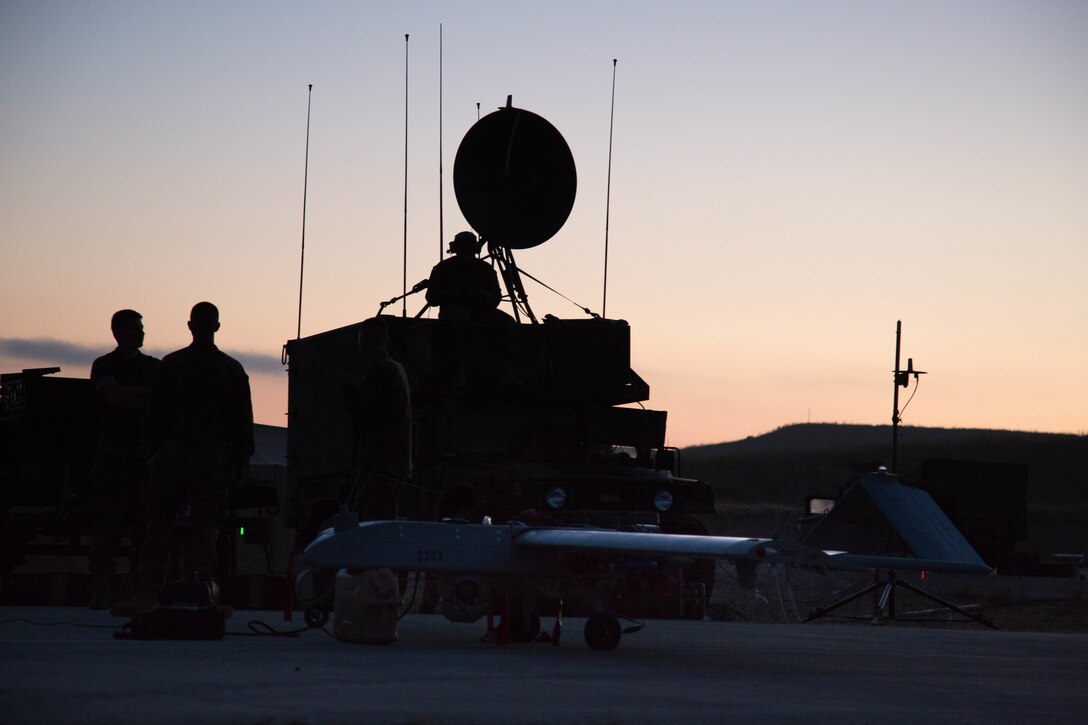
201 431
122 381
466 291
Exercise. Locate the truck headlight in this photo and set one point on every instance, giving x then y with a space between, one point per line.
663 501
556 497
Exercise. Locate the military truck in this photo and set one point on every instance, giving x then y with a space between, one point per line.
528 421
47 436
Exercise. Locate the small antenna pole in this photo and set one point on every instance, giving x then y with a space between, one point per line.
404 301
895 397
477 110
901 379
305 182
608 194
441 206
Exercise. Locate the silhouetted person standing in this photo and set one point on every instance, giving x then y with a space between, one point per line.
381 412
201 431
463 287
122 380
466 291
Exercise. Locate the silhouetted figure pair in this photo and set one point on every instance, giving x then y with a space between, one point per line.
200 427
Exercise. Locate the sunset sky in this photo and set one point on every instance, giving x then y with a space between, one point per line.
788 180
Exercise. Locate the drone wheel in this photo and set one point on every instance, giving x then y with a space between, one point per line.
602 632
315 617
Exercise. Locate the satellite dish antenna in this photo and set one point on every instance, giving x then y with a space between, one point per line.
515 182
514 178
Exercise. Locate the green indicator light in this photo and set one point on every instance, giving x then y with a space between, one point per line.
241 530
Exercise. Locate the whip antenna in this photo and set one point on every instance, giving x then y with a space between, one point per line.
404 302
305 180
608 194
441 235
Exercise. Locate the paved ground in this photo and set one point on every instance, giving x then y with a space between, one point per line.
672 671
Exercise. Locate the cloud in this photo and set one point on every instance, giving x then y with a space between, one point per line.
256 363
54 352
51 352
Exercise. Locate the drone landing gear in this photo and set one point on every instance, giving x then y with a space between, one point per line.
521 626
602 632
886 603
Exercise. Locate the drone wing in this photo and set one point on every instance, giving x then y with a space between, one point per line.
606 541
770 551
845 560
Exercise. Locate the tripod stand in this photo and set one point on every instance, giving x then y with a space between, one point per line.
886 603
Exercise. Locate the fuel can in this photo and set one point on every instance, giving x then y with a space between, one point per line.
366 606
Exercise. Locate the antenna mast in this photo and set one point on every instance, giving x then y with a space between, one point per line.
441 207
305 182
901 379
608 195
404 282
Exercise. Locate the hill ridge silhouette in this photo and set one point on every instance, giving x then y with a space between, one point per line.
756 466
803 436
777 471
